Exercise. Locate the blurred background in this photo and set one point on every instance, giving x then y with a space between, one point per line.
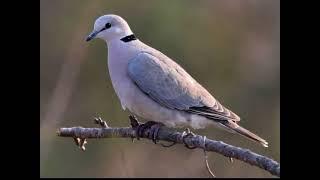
232 47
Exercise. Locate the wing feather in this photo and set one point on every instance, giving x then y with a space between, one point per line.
168 84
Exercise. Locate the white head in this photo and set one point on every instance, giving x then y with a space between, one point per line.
109 27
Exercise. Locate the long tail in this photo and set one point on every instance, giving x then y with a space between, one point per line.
244 132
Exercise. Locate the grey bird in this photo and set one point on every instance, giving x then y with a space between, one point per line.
154 87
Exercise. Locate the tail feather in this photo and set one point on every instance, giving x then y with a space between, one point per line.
246 133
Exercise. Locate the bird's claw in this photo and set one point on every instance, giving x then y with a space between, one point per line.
133 121
185 134
173 143
134 124
154 130
153 127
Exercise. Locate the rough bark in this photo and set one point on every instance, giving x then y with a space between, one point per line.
165 134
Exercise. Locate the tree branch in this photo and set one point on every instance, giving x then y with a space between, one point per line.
165 134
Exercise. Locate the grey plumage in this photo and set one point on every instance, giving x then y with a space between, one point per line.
154 87
171 86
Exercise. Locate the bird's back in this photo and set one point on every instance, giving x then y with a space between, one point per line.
183 91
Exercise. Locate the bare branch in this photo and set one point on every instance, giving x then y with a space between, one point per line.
170 135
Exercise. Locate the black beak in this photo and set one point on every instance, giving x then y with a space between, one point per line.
92 35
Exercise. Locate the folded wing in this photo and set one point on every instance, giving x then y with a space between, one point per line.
168 84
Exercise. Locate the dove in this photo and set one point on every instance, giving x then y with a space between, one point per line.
155 88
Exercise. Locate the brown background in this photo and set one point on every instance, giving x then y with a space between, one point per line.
232 47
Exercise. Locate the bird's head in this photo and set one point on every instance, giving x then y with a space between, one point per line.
109 27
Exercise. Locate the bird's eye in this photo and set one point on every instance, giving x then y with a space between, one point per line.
108 25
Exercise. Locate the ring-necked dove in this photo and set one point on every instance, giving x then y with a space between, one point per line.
154 87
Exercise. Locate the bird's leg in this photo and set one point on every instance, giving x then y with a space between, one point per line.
185 134
143 127
153 127
133 121
134 124
140 127
154 130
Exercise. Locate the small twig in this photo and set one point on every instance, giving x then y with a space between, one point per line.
170 135
77 141
206 157
82 144
101 122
